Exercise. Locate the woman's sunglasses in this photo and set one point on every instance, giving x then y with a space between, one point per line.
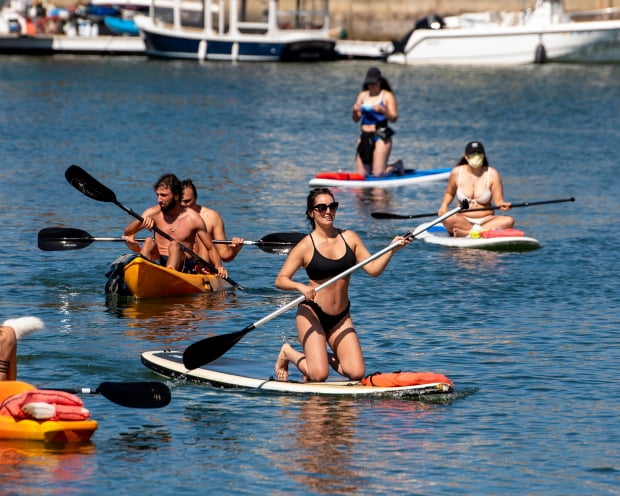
322 207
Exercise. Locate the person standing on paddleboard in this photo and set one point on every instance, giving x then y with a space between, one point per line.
475 180
375 107
214 223
323 318
181 223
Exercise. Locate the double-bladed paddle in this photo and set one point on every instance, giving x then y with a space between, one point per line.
385 215
66 238
89 186
129 394
202 352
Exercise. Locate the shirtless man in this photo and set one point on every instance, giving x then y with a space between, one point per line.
181 223
214 223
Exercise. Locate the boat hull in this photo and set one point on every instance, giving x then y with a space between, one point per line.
517 47
145 279
186 45
47 431
227 373
546 32
75 45
347 180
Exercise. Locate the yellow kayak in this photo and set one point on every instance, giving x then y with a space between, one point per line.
50 431
146 279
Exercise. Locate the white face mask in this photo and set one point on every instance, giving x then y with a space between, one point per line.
475 160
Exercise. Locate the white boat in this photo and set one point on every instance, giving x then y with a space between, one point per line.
233 31
59 31
540 34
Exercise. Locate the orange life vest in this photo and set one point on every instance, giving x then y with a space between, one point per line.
68 406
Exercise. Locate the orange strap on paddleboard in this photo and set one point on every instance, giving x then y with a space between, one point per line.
396 379
502 233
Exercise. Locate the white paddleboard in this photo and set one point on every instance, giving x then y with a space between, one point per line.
438 235
351 180
236 373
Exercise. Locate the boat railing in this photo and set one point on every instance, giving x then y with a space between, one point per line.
608 13
226 16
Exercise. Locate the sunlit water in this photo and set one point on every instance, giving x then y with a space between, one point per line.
530 339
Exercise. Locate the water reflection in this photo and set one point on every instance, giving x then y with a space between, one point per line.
323 443
162 318
52 468
473 259
329 435
371 199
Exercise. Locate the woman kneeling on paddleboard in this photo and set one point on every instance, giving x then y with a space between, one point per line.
323 318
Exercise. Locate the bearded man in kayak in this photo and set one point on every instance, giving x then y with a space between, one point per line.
181 223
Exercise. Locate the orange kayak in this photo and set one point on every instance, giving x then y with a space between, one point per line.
145 279
50 431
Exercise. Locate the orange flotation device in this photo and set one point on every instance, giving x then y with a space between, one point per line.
15 394
502 233
396 379
342 176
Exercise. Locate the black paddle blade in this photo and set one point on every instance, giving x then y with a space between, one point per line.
206 350
88 185
279 243
385 215
136 394
285 238
60 238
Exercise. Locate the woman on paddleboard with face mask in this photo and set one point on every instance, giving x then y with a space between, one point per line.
475 180
323 319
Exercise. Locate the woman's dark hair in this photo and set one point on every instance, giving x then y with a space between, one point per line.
171 182
310 202
384 85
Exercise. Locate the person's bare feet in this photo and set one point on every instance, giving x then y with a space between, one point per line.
456 232
282 364
397 168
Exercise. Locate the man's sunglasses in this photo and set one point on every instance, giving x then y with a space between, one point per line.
322 207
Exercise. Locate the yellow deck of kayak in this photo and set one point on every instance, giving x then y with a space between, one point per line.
149 280
51 431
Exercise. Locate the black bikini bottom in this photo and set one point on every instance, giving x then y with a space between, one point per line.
328 321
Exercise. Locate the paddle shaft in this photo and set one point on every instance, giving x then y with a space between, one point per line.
350 270
66 238
193 356
215 241
383 215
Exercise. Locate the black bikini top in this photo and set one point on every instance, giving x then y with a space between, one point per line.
321 268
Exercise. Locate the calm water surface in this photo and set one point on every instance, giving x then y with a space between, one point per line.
531 339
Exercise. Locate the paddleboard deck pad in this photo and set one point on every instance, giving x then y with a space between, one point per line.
497 241
343 179
246 374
